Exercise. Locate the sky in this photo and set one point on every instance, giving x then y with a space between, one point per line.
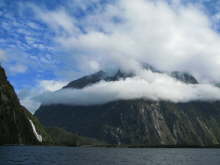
45 44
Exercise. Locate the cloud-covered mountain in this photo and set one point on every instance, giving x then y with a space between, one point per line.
147 107
146 83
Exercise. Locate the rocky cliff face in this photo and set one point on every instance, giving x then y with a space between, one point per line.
138 122
17 125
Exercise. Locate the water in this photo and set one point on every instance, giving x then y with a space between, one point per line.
106 156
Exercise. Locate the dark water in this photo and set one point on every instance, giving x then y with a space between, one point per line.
106 156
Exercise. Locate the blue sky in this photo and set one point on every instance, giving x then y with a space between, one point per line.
29 41
34 38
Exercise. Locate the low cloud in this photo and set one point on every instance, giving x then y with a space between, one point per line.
51 85
147 85
27 96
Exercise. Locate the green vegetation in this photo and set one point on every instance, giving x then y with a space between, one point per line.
40 129
15 127
63 137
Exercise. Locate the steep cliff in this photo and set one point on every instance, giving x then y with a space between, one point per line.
17 125
139 122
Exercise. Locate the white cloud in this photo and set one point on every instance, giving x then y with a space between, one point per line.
147 85
52 85
26 95
154 32
59 20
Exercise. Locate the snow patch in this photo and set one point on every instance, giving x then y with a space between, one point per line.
38 136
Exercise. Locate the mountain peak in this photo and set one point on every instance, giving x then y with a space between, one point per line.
184 77
119 74
96 77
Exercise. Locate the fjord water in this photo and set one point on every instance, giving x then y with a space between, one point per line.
28 155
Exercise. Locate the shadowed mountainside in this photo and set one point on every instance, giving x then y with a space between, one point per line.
17 125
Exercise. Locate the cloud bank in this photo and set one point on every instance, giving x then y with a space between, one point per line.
170 36
147 85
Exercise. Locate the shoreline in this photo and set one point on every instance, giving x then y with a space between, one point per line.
116 146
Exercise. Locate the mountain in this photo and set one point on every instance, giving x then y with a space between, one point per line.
184 77
17 125
138 122
96 77
101 75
